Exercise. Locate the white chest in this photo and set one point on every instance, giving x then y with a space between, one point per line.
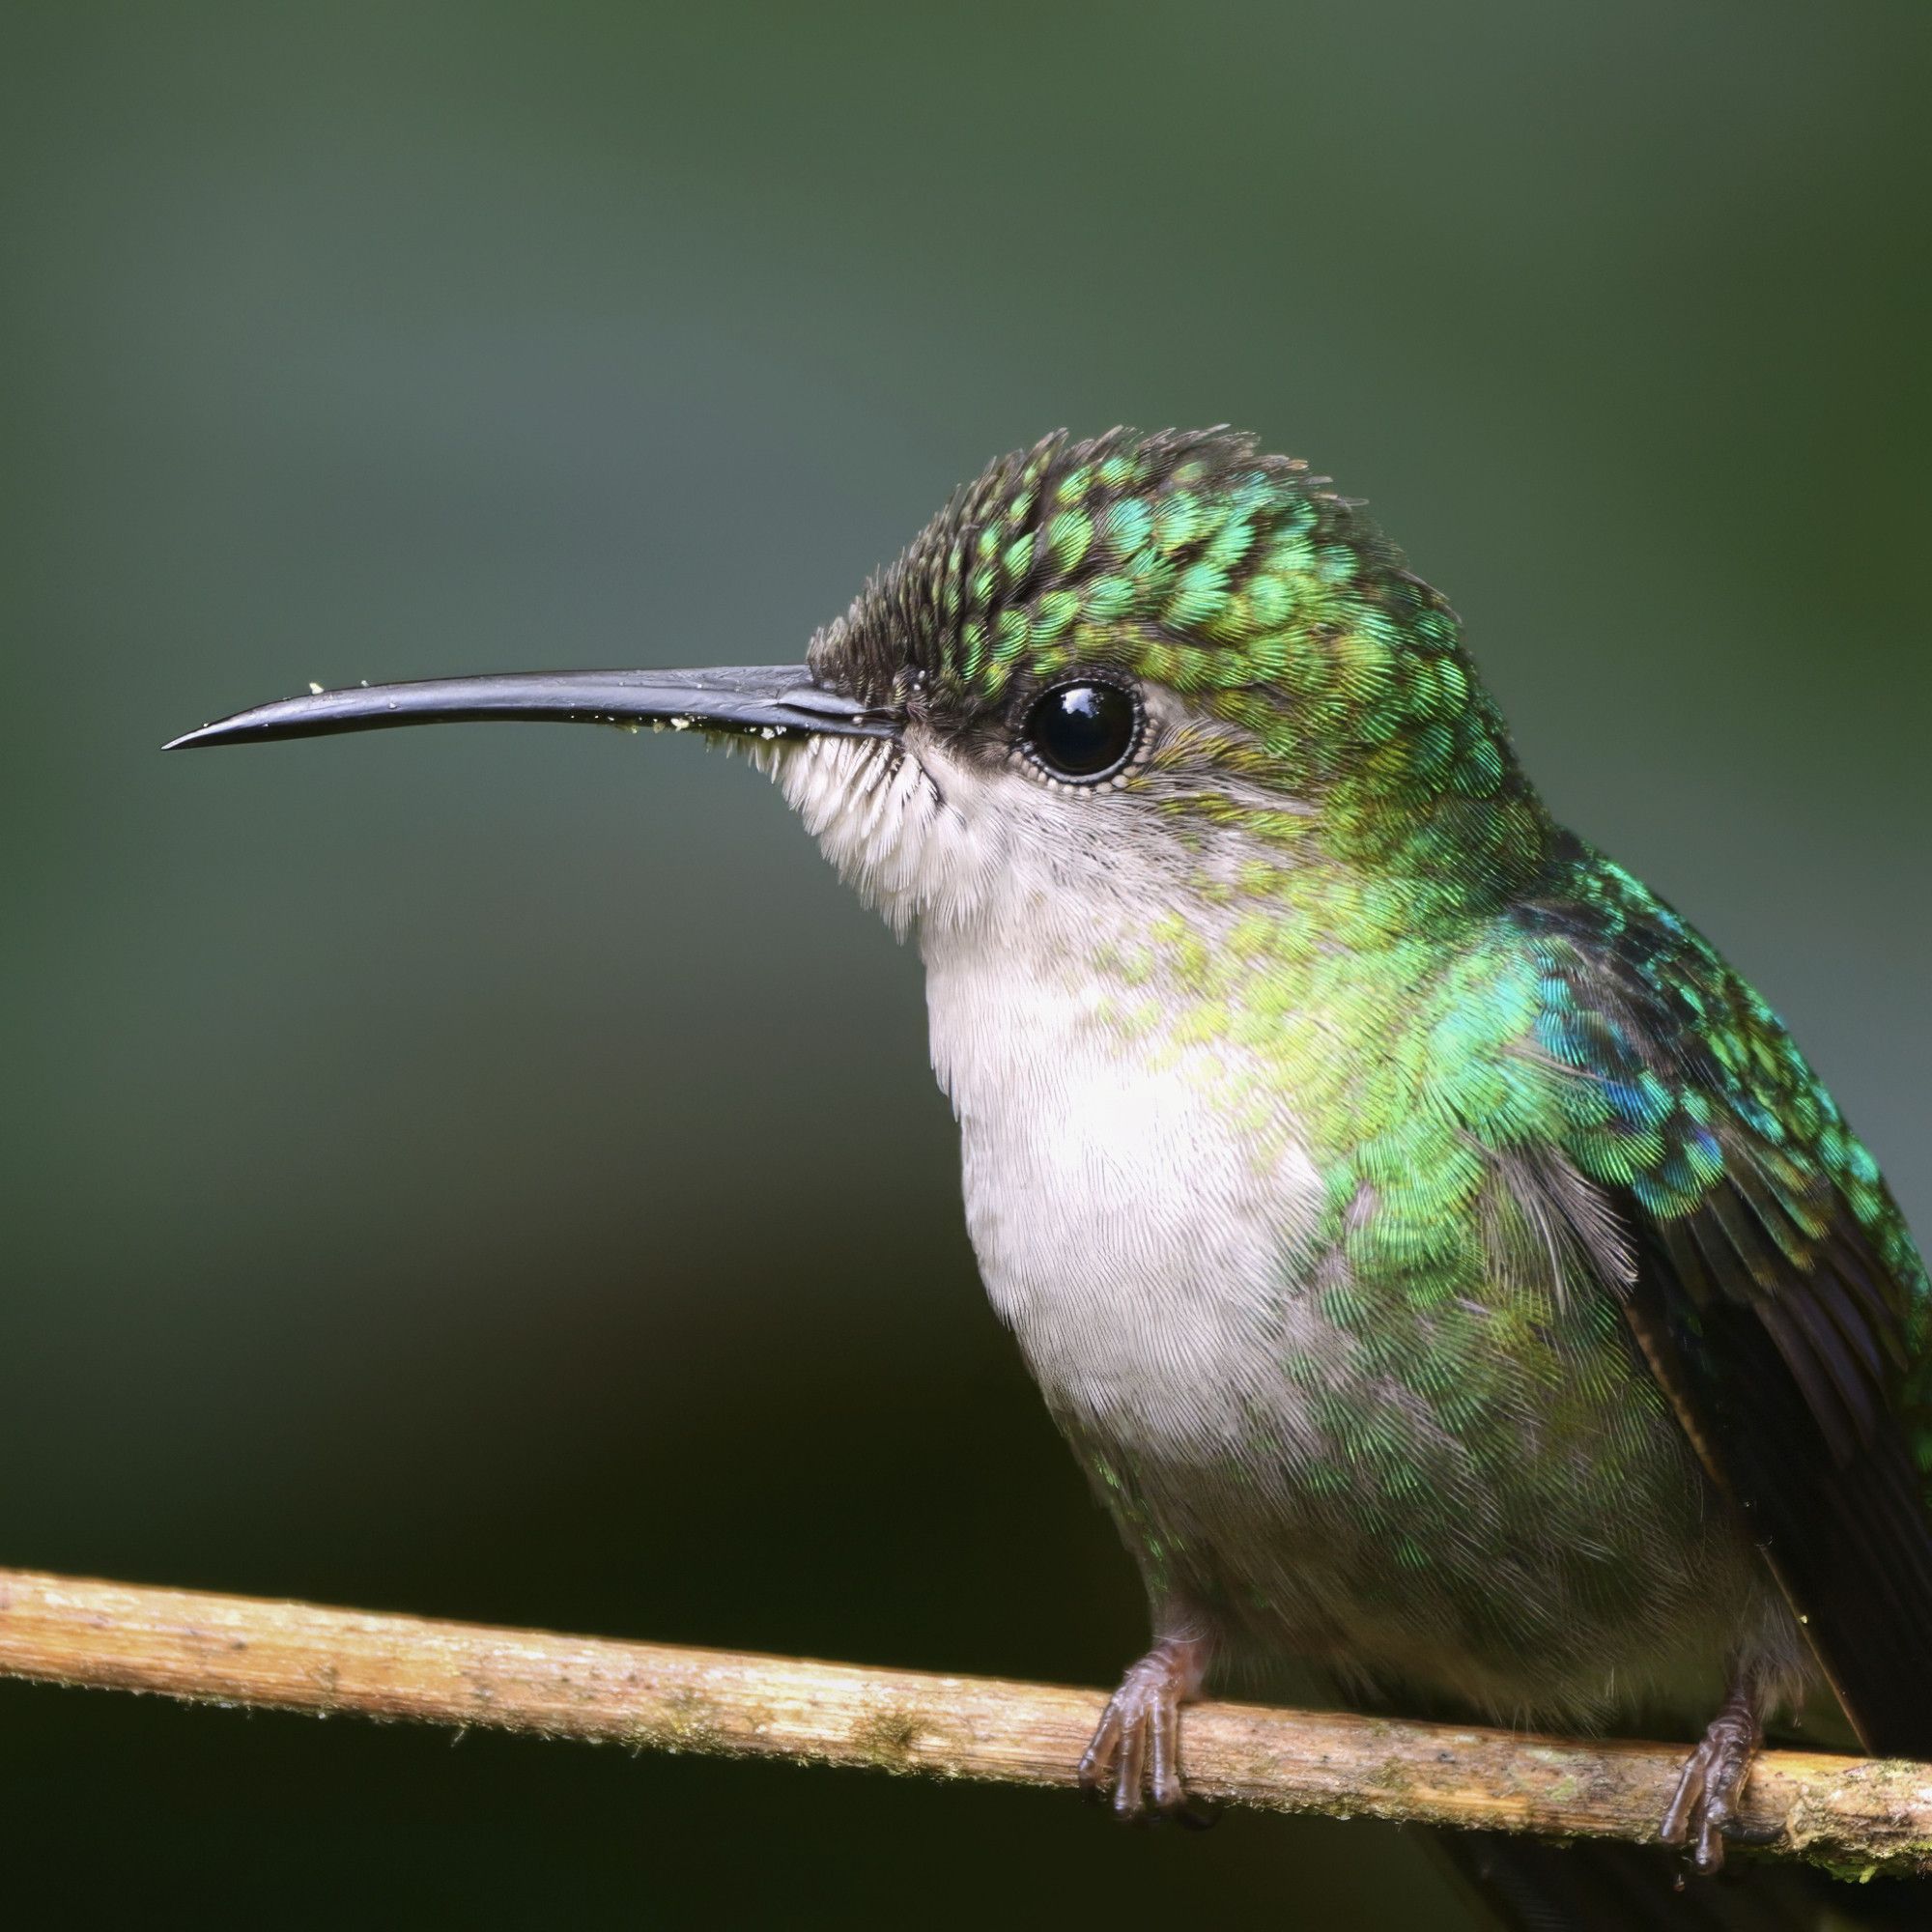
1145 1249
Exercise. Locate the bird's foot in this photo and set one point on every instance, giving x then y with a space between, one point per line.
1703 1810
1136 1751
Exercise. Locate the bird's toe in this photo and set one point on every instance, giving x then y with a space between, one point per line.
1134 1758
1703 1810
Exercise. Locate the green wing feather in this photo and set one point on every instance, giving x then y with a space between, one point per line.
1777 1292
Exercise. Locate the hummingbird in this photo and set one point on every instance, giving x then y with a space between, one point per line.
1445 1266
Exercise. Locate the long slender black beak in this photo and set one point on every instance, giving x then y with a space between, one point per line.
755 700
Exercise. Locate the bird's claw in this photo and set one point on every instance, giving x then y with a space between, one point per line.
1703 1810
1135 1756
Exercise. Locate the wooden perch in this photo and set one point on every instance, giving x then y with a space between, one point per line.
1845 1812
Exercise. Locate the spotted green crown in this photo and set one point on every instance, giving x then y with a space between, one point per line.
1239 580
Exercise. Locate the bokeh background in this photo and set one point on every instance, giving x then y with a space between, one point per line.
495 1172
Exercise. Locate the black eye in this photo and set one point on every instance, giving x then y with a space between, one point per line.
1082 732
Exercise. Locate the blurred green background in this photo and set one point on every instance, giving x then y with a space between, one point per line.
495 1172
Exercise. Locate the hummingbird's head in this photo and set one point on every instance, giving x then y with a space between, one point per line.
1134 668
1151 664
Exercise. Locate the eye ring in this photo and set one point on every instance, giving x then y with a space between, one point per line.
1083 730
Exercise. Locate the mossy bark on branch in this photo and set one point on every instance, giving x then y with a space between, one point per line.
1850 1815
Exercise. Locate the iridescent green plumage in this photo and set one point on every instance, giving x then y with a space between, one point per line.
1564 1149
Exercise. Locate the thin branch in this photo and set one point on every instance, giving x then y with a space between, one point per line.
1846 1812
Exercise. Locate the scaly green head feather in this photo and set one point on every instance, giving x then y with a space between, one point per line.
1239 581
